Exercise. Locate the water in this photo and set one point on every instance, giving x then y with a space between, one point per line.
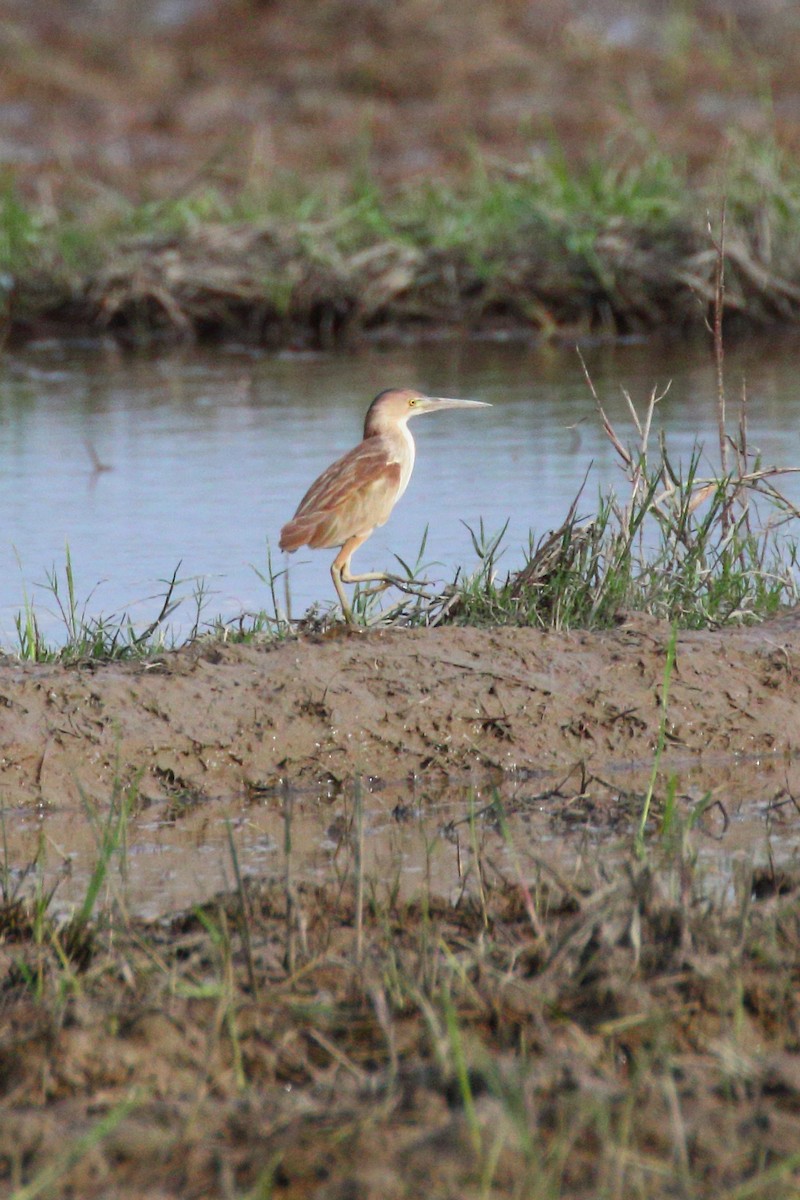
175 855
211 450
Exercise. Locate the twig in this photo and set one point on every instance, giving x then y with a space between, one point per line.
607 426
167 608
719 351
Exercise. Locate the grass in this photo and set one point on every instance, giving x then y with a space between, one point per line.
547 201
699 552
52 1175
614 243
669 665
88 637
636 1038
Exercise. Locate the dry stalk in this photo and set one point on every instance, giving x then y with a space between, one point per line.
358 804
633 467
290 951
740 484
740 450
607 426
719 352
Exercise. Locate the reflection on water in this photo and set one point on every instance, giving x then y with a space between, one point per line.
211 450
428 840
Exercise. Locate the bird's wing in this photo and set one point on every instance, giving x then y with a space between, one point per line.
351 497
360 469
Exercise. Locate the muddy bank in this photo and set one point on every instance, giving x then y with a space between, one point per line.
272 287
216 719
266 285
240 171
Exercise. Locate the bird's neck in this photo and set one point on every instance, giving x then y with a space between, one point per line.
405 456
377 425
399 446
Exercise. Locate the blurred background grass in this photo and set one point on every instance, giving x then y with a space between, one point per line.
552 162
141 96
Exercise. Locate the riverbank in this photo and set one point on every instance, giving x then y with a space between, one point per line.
543 1004
215 719
249 172
518 253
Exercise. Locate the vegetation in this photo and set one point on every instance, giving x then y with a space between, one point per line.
620 1022
699 552
90 637
617 244
626 1029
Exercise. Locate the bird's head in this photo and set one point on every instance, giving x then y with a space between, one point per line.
395 406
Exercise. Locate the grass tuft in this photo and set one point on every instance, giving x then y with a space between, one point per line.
96 638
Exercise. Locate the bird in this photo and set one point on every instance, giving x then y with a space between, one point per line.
358 491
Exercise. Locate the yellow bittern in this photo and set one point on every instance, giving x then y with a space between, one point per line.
358 492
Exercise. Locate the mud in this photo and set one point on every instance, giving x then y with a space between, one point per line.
505 1019
218 719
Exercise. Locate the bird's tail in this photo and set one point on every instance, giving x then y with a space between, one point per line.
296 533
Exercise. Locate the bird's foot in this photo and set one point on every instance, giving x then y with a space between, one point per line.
414 587
384 617
410 587
377 589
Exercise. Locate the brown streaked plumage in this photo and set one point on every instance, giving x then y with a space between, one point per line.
358 492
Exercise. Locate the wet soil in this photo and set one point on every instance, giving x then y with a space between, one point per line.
629 1041
214 719
512 1022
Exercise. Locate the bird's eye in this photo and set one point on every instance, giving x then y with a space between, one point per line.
411 401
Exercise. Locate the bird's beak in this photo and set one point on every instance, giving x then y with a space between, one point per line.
437 403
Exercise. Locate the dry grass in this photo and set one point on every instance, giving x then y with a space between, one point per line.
246 91
396 168
270 285
623 1032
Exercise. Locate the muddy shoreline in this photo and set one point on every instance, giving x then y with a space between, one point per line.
215 719
346 1030
251 172
264 286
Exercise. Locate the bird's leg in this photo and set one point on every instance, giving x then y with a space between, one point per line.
336 575
341 573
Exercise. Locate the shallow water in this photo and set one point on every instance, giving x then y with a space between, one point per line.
210 451
426 839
